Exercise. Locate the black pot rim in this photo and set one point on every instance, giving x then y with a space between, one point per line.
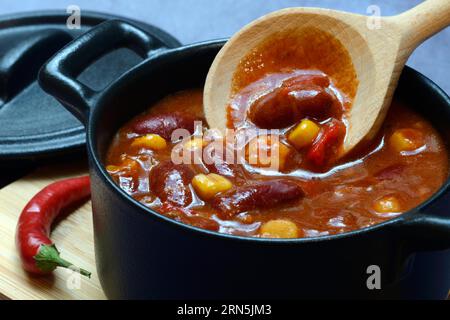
149 213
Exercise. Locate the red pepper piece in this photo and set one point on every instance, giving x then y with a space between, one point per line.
38 253
332 133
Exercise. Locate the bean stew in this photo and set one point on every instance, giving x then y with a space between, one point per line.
279 173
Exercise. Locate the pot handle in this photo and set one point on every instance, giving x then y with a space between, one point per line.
58 76
424 232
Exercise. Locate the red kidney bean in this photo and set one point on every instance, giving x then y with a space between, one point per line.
296 99
222 160
261 195
272 111
164 124
318 79
310 100
222 168
218 165
170 183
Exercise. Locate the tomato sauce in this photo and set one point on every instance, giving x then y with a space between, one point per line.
344 198
285 179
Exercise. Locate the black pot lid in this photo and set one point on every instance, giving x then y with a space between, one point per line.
33 124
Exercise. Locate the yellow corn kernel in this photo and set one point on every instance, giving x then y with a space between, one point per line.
195 143
113 169
280 229
207 186
388 204
266 152
304 134
150 141
406 140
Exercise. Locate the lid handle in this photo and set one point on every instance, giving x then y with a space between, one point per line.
58 76
23 56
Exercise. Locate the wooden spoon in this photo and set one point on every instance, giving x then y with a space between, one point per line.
378 57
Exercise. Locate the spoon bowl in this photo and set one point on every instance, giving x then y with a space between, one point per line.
375 48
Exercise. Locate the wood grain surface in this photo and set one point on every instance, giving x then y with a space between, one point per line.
73 236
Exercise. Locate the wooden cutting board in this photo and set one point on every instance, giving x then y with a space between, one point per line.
73 236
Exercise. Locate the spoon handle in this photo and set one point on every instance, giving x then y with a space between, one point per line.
423 21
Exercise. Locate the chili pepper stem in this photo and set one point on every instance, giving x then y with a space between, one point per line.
48 259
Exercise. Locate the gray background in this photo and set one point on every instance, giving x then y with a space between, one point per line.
197 20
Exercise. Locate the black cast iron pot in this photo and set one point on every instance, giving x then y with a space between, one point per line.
144 255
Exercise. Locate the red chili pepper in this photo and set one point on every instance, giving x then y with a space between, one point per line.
38 253
330 136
